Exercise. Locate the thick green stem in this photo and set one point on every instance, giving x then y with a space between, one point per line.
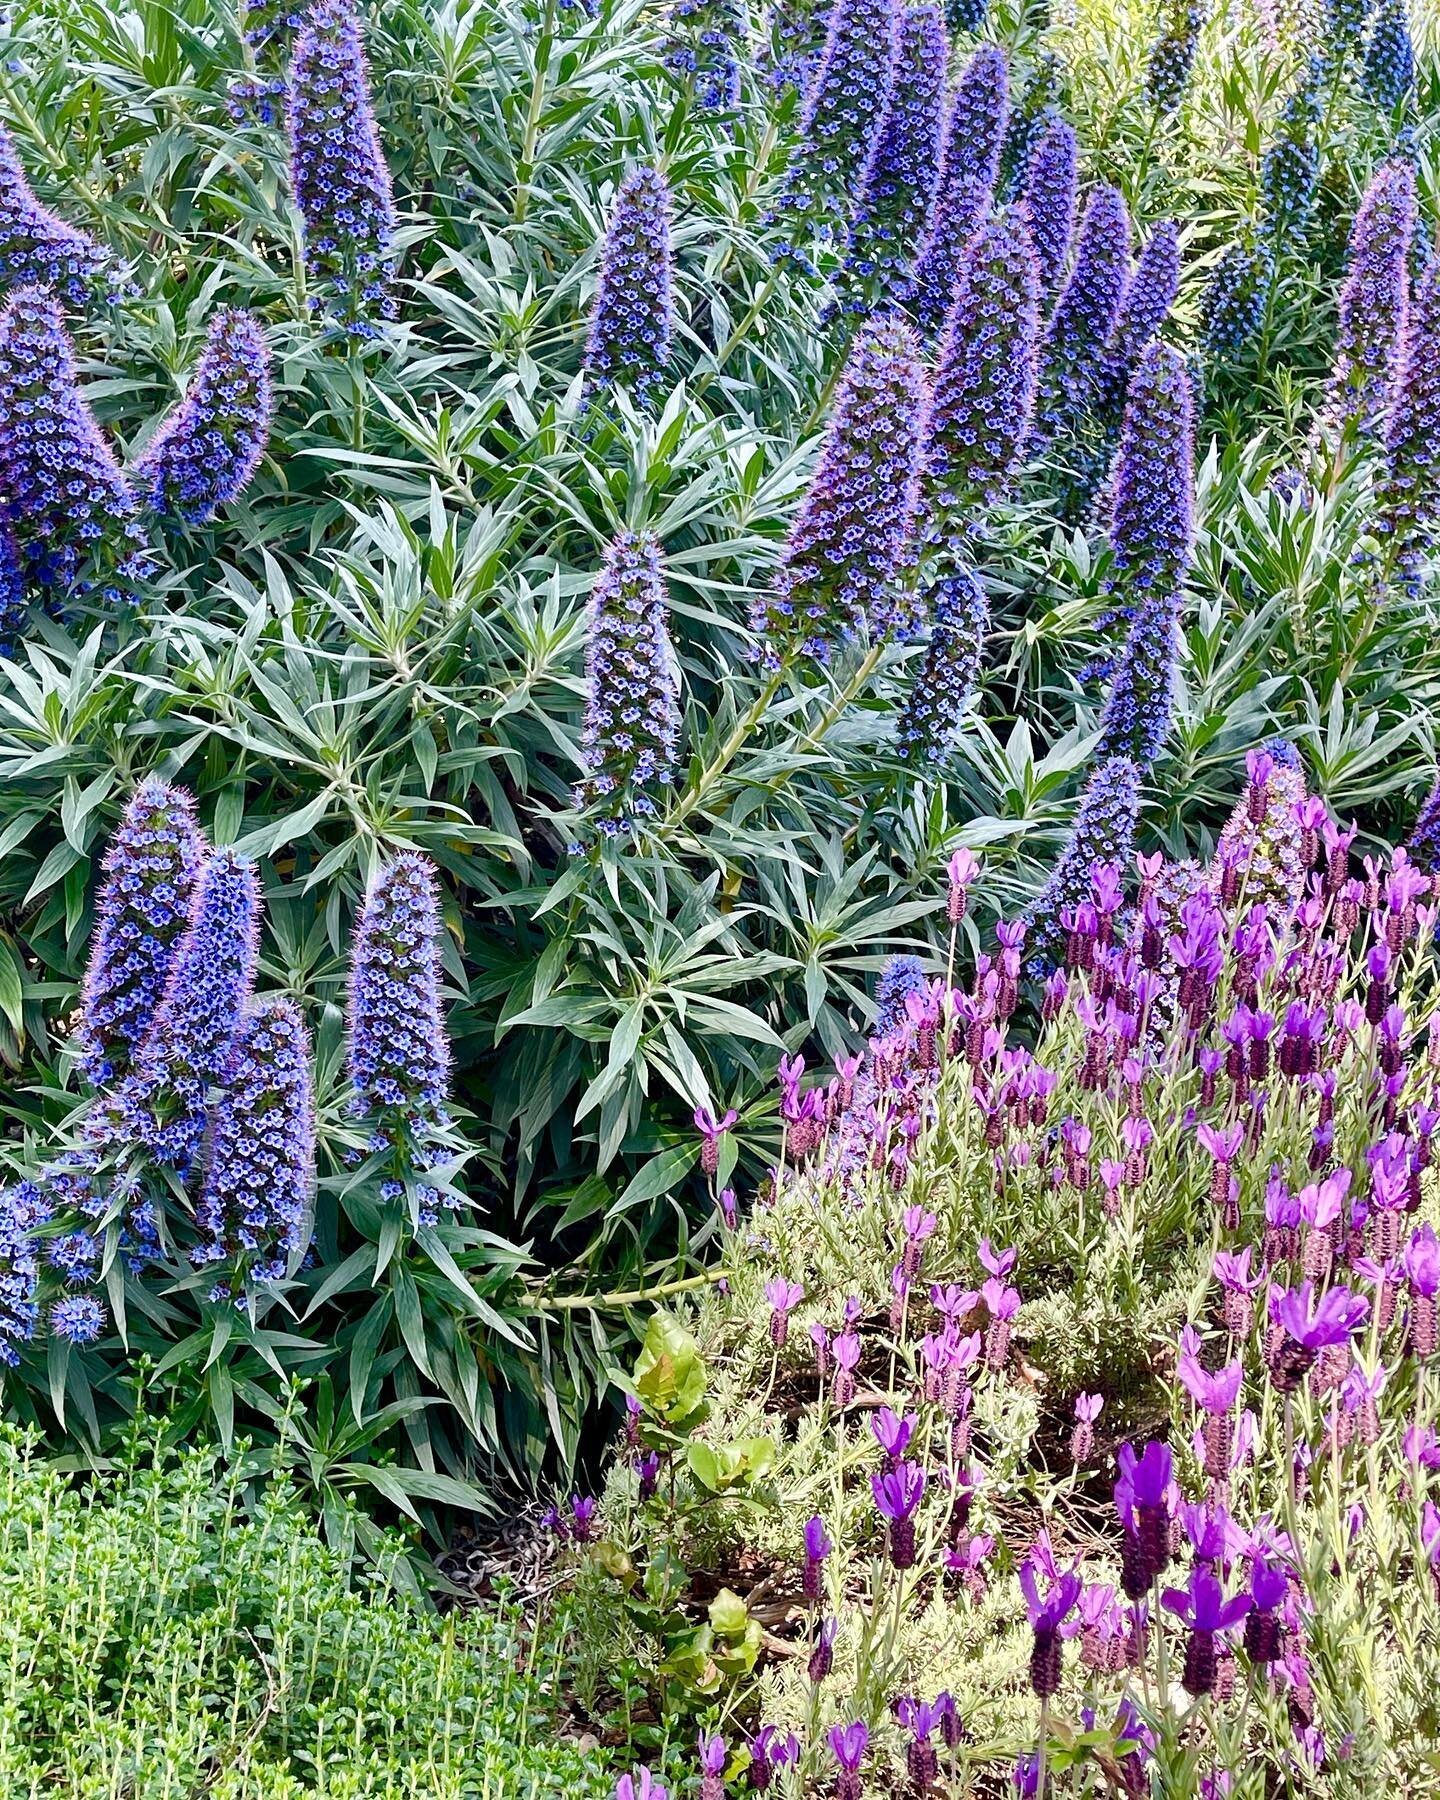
525 162
617 1299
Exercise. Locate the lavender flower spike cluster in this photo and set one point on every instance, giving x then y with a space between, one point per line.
631 324
253 1214
204 454
62 494
898 188
844 108
141 915
338 172
1084 315
838 571
1373 305
38 248
1103 835
632 704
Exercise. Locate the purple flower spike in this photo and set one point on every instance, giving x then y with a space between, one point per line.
935 707
1048 1613
141 915
1204 1608
1310 1326
898 1493
1146 306
631 325
1410 482
1103 833
897 190
838 570
848 1744
770 1750
398 1052
704 48
1373 305
338 173
632 697
1084 315
817 1547
1049 205
205 453
892 1433
37 247
642 1785
711 1751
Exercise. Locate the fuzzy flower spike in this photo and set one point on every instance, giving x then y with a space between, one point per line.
1373 305
37 248
631 324
204 454
338 172
1050 201
398 1052
1085 314
1410 481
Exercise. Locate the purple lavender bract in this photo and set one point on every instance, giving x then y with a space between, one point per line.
942 685
1103 832
1050 201
253 1211
37 247
69 507
1085 314
398 1052
142 912
1373 304
632 702
204 454
630 327
837 572
338 173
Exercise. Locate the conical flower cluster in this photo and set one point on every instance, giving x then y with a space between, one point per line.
1085 314
632 699
1145 308
1389 55
253 1214
1050 194
941 687
142 912
1173 55
1409 485
844 107
1234 305
706 38
62 494
1103 832
338 172
12 591
900 180
1423 843
631 324
1373 304
204 454
37 247
837 572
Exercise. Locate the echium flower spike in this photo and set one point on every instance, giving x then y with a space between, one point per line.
1233 308
73 516
966 15
977 119
631 325
1409 486
1152 523
398 1054
941 687
1050 192
797 31
959 212
205 453
142 912
1103 832
1173 54
37 247
253 1211
838 570
898 187
162 1104
983 395
1085 314
1146 306
1389 55
844 107
632 701
1373 304
706 38
1290 167
13 614
338 172
1343 24
1423 843
22 1208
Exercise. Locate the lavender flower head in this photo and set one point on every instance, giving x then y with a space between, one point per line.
398 1051
1085 313
631 324
62 495
632 704
1409 486
142 912
941 687
837 572
253 1211
903 170
37 247
338 173
844 107
1103 833
162 1103
983 395
1373 305
1050 193
205 453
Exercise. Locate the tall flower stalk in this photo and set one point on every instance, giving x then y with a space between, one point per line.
941 687
1050 196
1409 487
1373 305
1084 315
37 247
632 322
205 453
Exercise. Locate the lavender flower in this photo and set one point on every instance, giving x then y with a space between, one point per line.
141 914
642 1785
632 703
784 1296
838 570
77 1319
1309 1326
1103 833
1373 304
1410 482
1050 192
1204 1608
204 454
1143 1499
253 1211
941 687
983 395
338 173
848 1744
1389 55
706 37
844 108
69 508
631 324
1048 1612
162 1103
1146 306
712 1766
898 1493
398 1052
817 1547
1085 314
1233 307
1290 167
1173 54
37 247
